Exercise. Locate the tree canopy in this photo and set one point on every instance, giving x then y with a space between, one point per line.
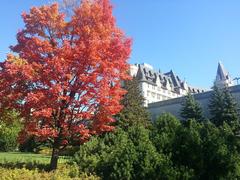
191 109
223 107
133 112
65 76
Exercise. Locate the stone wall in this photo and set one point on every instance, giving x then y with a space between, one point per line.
174 106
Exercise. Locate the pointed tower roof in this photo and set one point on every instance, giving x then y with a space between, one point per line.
222 74
222 78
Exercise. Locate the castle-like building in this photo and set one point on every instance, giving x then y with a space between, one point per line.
156 86
174 104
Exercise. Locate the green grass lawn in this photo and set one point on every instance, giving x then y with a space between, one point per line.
14 157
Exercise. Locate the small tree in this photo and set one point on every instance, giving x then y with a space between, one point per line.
191 109
133 113
66 79
230 112
216 106
10 126
223 107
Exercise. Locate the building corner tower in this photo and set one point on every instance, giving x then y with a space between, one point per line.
223 78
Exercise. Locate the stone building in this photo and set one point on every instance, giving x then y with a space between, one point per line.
174 105
156 86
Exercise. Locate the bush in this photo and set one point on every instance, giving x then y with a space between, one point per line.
30 145
187 146
187 150
94 155
210 152
163 132
124 155
62 173
8 136
117 162
149 163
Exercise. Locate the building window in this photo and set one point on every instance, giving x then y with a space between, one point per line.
153 95
148 93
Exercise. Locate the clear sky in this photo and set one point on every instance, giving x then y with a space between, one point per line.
188 36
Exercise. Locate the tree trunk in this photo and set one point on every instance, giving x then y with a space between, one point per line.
54 159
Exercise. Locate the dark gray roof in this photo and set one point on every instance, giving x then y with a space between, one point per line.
170 78
175 79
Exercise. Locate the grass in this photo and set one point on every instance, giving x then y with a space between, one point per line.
14 157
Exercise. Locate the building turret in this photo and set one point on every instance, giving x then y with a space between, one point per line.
222 78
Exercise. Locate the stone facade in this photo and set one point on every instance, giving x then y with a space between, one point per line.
174 105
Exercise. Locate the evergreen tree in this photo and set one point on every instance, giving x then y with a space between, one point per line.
216 106
186 148
133 113
163 133
124 155
230 112
223 107
191 109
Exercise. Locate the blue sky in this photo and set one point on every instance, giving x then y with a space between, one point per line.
188 36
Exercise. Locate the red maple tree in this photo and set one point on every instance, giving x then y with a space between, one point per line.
65 75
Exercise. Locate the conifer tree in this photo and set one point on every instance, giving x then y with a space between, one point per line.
230 112
191 109
216 106
223 107
133 113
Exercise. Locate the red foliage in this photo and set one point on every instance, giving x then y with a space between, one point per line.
66 78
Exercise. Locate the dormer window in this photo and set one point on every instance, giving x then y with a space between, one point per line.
150 73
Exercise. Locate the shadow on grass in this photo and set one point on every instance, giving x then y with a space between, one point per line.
28 165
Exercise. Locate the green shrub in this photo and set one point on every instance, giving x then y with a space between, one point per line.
208 151
117 162
30 145
124 155
111 156
8 136
10 126
149 163
62 173
163 132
